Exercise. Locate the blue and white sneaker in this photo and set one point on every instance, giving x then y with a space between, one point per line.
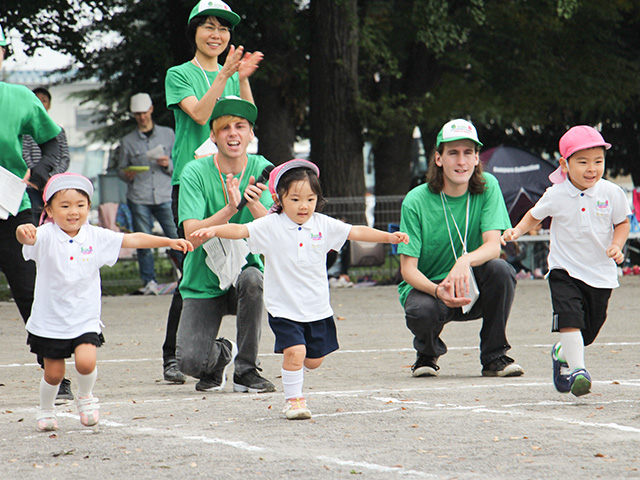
560 381
580 382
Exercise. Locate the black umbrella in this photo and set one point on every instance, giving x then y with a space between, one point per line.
523 177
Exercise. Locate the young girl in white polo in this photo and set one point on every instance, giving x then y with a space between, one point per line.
589 228
65 317
295 242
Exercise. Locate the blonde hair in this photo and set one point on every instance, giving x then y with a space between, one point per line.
219 123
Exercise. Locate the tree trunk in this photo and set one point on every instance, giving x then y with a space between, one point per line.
276 125
336 133
393 177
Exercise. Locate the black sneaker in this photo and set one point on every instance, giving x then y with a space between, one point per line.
64 392
502 367
216 381
425 367
252 382
172 373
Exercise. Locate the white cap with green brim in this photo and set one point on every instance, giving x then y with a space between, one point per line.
457 129
215 8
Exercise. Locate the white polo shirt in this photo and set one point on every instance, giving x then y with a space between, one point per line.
296 286
67 295
582 229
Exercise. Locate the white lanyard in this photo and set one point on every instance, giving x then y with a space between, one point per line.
203 72
466 226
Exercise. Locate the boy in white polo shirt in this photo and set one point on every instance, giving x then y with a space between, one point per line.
588 232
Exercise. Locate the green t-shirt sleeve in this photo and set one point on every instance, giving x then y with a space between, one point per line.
494 210
40 125
410 224
192 203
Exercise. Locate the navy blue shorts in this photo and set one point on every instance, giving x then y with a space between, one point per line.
577 305
319 337
57 348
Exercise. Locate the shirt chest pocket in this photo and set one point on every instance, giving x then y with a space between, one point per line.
79 264
601 218
312 250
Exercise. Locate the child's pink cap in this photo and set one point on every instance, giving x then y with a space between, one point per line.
64 181
580 137
276 173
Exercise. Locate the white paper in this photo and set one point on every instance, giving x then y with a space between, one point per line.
155 153
473 294
206 149
226 258
11 193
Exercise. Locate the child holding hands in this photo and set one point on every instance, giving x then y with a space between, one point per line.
65 317
588 232
295 242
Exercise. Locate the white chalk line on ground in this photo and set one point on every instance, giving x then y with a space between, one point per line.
338 352
500 410
242 445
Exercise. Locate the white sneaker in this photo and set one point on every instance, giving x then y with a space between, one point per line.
151 288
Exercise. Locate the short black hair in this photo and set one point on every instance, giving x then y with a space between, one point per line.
295 175
42 91
198 21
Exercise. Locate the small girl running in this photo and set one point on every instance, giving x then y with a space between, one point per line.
65 317
589 228
295 242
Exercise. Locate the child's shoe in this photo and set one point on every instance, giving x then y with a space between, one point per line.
560 381
580 382
296 409
88 410
47 421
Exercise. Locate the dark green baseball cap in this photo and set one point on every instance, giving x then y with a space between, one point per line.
215 8
237 107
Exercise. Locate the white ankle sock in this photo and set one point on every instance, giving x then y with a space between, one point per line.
86 383
48 394
292 382
572 349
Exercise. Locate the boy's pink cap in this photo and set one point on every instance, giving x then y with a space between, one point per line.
64 181
580 137
276 173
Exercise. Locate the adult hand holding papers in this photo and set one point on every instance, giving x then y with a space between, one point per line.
11 193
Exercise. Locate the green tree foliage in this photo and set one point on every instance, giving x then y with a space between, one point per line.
524 71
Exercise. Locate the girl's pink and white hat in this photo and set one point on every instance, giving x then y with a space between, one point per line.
580 137
65 181
276 173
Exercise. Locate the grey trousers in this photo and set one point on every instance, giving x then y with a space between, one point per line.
198 351
426 316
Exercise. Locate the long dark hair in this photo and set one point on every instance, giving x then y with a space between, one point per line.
295 175
435 174
198 22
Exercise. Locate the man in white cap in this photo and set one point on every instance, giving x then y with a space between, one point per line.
145 165
23 114
451 268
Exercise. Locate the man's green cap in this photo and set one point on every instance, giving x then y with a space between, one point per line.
237 107
215 8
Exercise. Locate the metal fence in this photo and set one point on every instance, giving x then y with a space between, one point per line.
354 209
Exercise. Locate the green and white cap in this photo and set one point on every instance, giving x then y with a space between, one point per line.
3 39
215 8
236 106
457 129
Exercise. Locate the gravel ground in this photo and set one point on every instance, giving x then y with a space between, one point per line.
370 417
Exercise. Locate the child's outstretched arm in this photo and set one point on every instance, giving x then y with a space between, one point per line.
620 234
233 231
144 240
26 234
528 223
368 234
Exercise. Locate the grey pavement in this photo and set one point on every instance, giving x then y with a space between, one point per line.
371 419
